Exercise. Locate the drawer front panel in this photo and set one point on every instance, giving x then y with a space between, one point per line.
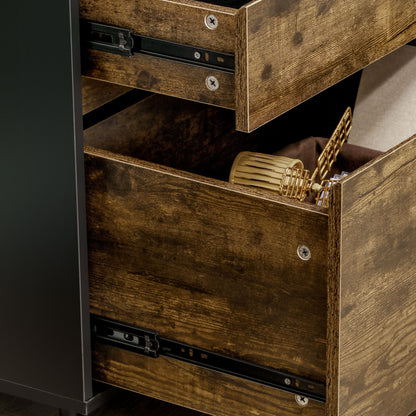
194 387
372 340
291 50
207 265
181 21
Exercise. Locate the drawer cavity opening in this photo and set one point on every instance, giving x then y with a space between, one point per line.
201 139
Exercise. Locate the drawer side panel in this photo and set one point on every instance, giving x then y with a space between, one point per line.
181 21
162 76
207 266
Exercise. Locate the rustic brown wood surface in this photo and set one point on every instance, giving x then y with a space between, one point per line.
294 49
178 133
181 21
196 259
241 74
372 320
194 387
172 132
162 76
95 93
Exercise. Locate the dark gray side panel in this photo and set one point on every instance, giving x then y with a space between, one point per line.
44 332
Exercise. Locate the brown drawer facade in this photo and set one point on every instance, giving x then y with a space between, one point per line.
285 52
215 266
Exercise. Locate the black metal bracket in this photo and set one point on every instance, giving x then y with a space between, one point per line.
128 337
148 342
124 42
107 38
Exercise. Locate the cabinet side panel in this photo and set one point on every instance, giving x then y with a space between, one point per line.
44 317
377 290
301 47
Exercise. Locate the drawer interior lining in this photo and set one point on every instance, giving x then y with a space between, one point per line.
201 139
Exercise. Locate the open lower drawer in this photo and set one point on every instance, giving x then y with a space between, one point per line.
219 268
259 57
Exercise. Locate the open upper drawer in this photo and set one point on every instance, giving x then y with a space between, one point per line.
265 56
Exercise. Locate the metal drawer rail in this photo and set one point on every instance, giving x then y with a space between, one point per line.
148 342
124 42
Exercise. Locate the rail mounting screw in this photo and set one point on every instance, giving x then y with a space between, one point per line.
288 381
211 21
304 253
301 400
212 83
197 55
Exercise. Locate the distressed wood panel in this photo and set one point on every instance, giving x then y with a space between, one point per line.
197 259
194 387
181 134
298 48
97 93
172 132
160 75
181 21
372 317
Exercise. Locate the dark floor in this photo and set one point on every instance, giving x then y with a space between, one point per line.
122 404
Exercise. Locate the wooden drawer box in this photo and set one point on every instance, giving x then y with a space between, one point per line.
176 249
285 50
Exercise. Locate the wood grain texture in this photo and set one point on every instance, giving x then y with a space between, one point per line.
194 387
160 75
184 135
241 73
375 289
298 48
181 21
196 259
333 300
172 132
97 93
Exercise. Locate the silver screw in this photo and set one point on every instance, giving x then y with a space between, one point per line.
197 55
302 400
211 21
304 253
288 381
212 83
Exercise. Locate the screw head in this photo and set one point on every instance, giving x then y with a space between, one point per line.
212 83
301 400
211 21
197 55
288 381
304 253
